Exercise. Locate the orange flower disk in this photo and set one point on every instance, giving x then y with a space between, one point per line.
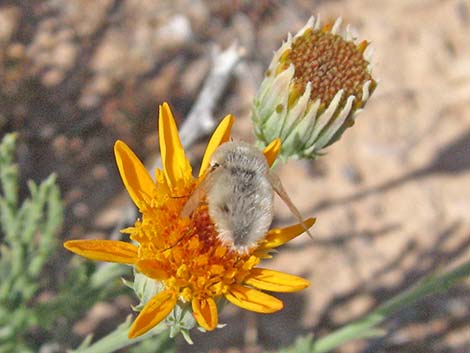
185 254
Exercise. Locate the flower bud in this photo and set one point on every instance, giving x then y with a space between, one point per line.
316 84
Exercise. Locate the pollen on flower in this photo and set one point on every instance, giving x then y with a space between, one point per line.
190 253
330 63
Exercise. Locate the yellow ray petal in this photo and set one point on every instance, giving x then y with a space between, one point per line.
175 164
220 135
104 250
252 299
272 150
278 236
160 179
205 313
151 268
275 281
133 173
153 312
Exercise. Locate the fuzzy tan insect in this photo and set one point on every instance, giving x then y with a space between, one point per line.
239 188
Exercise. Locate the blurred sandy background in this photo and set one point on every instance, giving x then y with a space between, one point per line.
392 198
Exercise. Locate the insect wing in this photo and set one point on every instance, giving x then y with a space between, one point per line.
199 193
279 189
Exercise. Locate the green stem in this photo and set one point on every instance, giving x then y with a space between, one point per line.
118 339
365 327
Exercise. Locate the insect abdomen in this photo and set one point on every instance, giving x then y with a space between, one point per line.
250 207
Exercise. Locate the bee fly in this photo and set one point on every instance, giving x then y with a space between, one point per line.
239 188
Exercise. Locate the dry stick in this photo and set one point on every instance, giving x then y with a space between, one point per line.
200 120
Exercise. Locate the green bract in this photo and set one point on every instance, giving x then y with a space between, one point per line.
316 84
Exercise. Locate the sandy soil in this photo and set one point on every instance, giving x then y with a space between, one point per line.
391 198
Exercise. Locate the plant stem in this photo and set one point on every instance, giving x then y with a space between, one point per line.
364 327
118 339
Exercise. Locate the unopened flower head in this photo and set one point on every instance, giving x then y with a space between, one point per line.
316 84
184 270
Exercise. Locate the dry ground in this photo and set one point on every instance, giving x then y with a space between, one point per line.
392 197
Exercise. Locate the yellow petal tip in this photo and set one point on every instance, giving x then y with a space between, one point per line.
220 135
133 173
272 150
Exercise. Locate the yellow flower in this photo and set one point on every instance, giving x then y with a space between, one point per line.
185 254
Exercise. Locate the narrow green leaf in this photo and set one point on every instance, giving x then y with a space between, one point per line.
366 326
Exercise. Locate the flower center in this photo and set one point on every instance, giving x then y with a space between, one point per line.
330 63
189 255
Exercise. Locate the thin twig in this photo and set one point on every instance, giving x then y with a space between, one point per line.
200 120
